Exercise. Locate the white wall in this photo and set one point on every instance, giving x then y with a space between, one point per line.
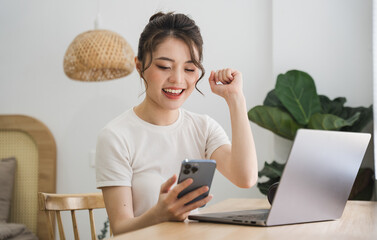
34 35
329 39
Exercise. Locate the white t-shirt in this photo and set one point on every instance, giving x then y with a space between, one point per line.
135 153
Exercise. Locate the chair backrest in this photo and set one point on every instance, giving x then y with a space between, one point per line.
33 146
55 203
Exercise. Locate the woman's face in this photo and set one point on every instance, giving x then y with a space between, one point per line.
172 75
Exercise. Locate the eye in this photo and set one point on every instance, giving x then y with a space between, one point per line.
190 70
163 67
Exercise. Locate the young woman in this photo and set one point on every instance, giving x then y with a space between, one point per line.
139 153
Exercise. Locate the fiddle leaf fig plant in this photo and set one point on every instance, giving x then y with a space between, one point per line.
293 104
297 92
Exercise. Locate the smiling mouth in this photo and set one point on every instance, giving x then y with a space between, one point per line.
173 92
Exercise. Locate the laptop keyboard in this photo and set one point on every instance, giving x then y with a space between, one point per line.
249 218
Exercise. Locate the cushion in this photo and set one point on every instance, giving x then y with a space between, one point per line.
7 172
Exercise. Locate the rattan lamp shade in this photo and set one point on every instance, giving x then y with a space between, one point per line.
98 55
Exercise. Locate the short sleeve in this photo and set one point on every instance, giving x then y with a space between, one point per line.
112 161
216 137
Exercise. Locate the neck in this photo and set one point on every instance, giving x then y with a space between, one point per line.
156 116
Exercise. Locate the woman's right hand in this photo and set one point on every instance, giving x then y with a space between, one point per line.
171 208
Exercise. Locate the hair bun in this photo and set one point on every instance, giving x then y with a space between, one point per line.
156 15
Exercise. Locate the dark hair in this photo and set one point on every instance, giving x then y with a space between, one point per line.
175 25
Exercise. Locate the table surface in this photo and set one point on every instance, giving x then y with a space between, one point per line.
359 221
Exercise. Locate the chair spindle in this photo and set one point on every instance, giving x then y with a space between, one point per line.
60 226
74 225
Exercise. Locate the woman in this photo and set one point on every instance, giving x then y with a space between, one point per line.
140 152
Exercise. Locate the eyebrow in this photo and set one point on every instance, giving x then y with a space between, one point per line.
171 60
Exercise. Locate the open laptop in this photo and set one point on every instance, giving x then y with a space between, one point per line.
315 184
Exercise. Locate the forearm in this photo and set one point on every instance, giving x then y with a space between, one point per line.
118 201
243 165
147 219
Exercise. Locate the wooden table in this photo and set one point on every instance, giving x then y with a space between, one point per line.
359 221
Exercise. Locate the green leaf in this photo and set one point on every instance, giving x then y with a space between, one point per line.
366 116
275 120
272 170
297 91
272 100
330 122
263 186
334 107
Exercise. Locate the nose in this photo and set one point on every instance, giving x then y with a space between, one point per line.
176 76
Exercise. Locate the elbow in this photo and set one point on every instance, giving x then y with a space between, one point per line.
244 176
247 183
115 229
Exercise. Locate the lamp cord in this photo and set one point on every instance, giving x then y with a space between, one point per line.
97 21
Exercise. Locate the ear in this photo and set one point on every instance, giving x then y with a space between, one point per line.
138 66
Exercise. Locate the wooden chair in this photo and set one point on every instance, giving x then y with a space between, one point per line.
55 203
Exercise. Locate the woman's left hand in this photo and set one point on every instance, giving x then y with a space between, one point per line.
226 82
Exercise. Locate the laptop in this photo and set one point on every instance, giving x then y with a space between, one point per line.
315 184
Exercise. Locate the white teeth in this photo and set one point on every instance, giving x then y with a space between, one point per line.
173 90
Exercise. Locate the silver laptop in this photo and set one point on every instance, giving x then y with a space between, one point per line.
315 184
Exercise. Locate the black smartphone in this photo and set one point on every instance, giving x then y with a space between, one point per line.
201 171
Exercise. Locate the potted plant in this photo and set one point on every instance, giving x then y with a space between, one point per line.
293 104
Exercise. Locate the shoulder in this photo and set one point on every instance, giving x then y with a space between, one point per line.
197 118
194 117
118 125
122 120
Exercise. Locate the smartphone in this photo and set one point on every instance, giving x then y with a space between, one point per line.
201 171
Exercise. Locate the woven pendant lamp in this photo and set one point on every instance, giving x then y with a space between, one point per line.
98 55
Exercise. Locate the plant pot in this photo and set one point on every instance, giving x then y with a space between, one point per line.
282 148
